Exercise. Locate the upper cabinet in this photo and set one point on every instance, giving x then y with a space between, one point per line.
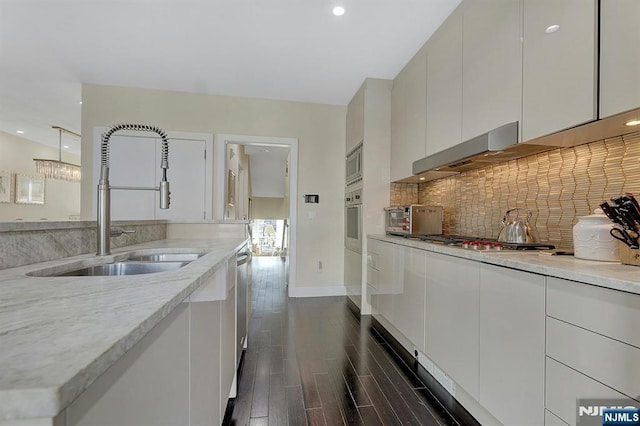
491 66
559 65
355 121
619 53
444 85
409 116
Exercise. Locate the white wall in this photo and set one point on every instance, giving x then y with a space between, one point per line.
62 199
320 130
270 208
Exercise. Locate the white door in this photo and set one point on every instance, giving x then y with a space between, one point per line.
186 177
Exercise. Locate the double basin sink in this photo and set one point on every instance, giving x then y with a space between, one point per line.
132 265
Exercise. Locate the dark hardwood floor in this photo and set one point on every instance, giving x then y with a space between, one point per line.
311 361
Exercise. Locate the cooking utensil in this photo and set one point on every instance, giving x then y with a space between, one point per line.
630 238
518 229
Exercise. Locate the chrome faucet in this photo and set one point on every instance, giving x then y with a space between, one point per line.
104 188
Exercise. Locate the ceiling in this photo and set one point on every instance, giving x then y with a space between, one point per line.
278 49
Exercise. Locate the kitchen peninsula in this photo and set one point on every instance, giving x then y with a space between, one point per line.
60 336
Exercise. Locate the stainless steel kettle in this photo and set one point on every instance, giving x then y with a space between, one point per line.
517 228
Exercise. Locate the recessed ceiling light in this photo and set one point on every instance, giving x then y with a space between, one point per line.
632 123
338 10
65 146
266 150
552 28
20 132
423 178
80 103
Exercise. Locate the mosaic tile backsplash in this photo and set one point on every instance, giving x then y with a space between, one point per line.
557 186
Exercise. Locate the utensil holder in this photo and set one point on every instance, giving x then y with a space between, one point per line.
629 256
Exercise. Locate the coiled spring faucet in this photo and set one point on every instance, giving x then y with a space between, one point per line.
104 188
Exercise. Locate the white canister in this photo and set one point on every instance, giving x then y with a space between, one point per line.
591 238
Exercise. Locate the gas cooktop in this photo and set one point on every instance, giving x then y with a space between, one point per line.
476 243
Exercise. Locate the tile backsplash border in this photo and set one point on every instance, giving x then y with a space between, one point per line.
557 186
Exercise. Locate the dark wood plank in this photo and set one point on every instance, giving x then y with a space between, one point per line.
260 404
316 417
295 406
259 421
330 405
380 402
291 372
343 394
277 401
350 378
370 416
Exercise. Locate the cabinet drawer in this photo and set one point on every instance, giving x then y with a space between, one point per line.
373 276
606 360
565 386
610 312
372 260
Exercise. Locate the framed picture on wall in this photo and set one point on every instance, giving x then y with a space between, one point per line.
29 189
231 188
5 187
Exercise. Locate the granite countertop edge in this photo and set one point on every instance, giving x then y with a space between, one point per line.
42 390
612 275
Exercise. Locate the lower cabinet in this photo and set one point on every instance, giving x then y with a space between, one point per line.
451 330
593 348
180 373
512 345
408 297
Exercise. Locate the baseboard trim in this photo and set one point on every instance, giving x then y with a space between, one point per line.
435 392
334 290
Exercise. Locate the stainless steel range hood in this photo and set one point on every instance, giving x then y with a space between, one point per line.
498 145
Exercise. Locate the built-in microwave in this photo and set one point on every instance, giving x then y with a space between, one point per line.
354 165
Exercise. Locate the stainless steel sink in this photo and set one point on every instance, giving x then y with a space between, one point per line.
166 257
122 268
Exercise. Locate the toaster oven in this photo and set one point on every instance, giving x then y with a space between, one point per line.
414 219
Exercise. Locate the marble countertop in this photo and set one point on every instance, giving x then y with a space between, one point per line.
611 275
58 334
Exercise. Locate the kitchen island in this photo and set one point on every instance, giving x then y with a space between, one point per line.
59 334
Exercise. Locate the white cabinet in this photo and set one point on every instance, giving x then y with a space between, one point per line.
228 334
444 85
148 385
491 66
592 345
409 116
355 121
559 67
353 276
452 300
180 373
408 297
512 345
619 53
389 274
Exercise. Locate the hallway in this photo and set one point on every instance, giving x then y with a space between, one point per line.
309 361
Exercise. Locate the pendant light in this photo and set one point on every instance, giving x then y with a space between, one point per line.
58 169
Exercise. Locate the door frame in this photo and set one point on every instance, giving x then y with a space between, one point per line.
220 145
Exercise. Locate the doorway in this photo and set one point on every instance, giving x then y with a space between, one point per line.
265 171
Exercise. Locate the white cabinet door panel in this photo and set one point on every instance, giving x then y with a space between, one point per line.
452 299
619 56
559 68
408 300
444 86
512 344
492 66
